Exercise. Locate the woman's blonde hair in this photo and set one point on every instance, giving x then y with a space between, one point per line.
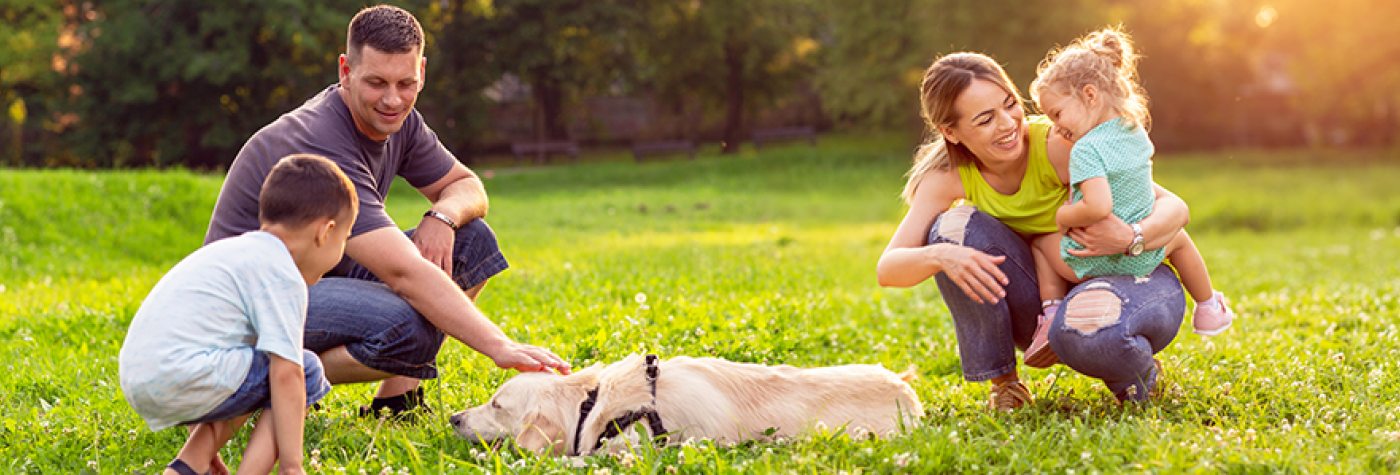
1104 59
943 82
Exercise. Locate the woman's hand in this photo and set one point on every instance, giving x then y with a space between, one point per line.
1107 237
975 272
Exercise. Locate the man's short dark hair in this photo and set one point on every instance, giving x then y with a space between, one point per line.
302 188
386 28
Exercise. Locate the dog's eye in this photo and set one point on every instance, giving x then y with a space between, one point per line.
495 405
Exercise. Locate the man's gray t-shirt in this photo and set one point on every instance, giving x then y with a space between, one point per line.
323 126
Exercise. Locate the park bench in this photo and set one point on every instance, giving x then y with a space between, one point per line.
542 150
642 149
762 136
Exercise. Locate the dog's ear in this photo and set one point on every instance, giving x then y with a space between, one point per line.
541 435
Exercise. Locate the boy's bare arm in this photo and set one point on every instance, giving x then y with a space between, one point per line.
1096 205
288 411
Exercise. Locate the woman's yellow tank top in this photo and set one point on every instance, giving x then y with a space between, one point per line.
1031 210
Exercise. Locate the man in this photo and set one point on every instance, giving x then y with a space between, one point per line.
364 330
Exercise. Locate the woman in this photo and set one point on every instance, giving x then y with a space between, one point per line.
988 180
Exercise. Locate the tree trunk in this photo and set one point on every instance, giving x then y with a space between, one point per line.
549 95
734 102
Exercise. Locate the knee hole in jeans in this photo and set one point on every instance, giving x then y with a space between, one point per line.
953 224
1091 310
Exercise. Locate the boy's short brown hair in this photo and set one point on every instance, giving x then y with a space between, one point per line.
302 188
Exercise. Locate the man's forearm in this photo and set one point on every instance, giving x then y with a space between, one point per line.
440 301
463 200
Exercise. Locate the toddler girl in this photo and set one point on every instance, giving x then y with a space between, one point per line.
1089 90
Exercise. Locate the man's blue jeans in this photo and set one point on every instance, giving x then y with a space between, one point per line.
381 330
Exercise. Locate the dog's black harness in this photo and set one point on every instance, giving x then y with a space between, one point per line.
615 426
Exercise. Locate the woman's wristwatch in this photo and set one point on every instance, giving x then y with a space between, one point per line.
1136 247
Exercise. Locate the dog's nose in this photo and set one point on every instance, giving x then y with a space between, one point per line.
456 420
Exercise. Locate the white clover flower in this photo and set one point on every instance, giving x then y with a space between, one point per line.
641 298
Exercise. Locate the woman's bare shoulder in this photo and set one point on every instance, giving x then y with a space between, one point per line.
939 188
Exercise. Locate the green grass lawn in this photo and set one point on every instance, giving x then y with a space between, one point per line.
760 258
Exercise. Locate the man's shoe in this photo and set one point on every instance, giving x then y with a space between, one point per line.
403 406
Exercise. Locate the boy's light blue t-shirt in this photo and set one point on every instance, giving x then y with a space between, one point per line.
192 342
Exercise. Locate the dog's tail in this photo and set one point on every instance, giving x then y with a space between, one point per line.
911 373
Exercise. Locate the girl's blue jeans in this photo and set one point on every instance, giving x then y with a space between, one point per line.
1108 328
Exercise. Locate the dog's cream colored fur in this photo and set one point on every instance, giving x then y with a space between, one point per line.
696 398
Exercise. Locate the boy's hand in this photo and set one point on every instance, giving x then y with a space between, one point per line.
217 466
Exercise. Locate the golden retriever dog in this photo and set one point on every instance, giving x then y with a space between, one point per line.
684 398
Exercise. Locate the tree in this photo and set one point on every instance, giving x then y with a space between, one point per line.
29 42
733 51
873 59
1344 60
876 51
560 47
460 65
186 82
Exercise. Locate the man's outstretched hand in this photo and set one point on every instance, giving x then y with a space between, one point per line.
529 358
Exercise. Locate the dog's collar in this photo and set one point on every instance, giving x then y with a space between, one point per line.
615 426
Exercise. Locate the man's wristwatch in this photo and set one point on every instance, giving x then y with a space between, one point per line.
1136 247
450 223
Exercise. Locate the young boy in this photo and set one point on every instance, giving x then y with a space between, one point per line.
220 336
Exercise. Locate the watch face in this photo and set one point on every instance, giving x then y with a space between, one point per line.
1136 248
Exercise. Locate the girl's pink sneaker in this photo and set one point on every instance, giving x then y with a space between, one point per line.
1213 316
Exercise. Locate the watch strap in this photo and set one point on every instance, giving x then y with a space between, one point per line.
1136 247
442 217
